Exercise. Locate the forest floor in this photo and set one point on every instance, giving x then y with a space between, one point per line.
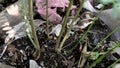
19 53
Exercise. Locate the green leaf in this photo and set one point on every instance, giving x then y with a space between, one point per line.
94 56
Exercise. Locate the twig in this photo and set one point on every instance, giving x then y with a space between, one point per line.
5 47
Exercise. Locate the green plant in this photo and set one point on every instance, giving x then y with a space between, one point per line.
47 23
71 25
117 44
63 25
34 40
99 44
60 42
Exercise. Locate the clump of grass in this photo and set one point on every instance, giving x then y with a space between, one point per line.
71 25
117 44
59 43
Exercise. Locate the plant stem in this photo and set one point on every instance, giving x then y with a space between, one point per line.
71 25
47 23
30 3
64 24
26 22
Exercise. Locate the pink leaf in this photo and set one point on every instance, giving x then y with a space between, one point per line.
53 16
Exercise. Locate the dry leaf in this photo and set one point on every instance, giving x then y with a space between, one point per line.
19 30
56 30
